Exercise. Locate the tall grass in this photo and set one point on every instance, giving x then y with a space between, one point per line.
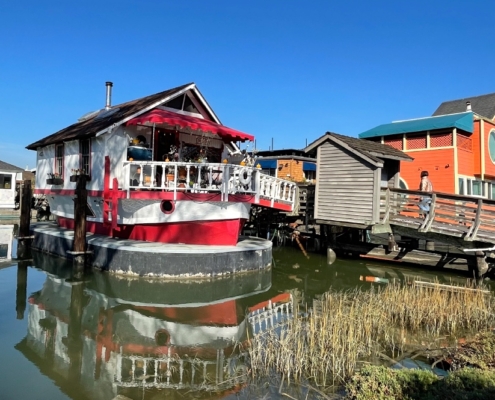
343 329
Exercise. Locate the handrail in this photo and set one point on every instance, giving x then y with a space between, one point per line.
225 179
456 215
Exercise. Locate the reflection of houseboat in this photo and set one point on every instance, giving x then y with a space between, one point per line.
161 169
104 346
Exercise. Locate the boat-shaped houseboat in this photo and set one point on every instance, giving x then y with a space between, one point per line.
161 168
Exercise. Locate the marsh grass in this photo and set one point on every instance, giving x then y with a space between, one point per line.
344 330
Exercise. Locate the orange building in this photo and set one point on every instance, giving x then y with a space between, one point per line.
290 164
457 149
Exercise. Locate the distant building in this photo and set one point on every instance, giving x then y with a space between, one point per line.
456 146
291 164
10 176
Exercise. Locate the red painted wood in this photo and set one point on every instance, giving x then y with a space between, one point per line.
219 233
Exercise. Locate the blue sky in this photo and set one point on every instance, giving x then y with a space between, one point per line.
286 71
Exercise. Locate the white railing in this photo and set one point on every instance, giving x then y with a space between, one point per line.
226 179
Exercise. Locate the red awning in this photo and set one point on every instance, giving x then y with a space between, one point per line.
175 120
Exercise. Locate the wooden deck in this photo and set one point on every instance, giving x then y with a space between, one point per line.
464 219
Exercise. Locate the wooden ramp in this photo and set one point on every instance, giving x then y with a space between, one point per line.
466 221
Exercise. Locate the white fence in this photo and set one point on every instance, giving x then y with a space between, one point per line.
226 179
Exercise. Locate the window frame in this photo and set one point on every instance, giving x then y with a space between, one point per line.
59 160
85 157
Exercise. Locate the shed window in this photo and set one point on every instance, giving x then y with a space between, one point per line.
5 181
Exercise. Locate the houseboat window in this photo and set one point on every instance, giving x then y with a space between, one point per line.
85 160
492 191
310 175
402 184
59 159
5 181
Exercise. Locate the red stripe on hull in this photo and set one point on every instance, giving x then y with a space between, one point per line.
213 233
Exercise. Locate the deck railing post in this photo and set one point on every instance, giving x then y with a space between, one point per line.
387 206
473 231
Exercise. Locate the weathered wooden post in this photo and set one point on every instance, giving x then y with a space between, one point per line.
79 250
24 237
21 291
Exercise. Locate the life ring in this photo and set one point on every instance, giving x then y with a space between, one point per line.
245 176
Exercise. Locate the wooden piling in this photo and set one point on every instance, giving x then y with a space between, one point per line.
79 249
24 237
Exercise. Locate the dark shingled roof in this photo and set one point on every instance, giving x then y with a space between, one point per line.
9 167
90 127
482 105
374 150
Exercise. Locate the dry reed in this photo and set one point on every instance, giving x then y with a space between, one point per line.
343 329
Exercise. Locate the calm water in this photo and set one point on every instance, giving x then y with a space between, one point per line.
97 337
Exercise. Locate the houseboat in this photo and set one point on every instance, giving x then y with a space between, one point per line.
161 168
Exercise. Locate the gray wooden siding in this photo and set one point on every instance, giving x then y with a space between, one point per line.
345 186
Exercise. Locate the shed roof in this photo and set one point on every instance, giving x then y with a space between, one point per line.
96 124
9 167
463 121
373 151
483 105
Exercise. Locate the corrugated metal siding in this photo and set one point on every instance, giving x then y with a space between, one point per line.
344 187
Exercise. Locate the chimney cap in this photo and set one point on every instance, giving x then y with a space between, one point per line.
468 105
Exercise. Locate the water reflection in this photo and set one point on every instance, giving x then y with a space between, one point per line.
106 335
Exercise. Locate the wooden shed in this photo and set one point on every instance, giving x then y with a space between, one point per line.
349 175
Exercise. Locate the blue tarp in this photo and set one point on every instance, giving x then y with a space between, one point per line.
307 166
266 164
463 121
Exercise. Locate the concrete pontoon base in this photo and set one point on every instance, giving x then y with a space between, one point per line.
130 257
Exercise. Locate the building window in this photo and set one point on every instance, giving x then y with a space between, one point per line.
270 171
5 181
403 184
477 188
59 160
310 175
491 145
461 186
85 157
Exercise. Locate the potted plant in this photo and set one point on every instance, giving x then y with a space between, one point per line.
77 174
54 179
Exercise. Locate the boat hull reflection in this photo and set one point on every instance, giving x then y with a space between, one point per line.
107 335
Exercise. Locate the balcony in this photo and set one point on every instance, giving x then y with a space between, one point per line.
225 179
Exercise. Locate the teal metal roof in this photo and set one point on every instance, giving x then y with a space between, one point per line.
463 121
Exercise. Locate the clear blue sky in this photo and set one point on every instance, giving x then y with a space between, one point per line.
282 70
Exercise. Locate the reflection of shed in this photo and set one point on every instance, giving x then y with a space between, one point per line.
350 173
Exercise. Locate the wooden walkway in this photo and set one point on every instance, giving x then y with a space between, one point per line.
466 219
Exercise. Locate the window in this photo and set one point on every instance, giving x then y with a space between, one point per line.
310 175
461 186
85 157
269 171
402 184
59 160
5 181
477 188
491 145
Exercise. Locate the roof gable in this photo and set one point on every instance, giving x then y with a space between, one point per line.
463 121
371 151
98 124
9 167
483 105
